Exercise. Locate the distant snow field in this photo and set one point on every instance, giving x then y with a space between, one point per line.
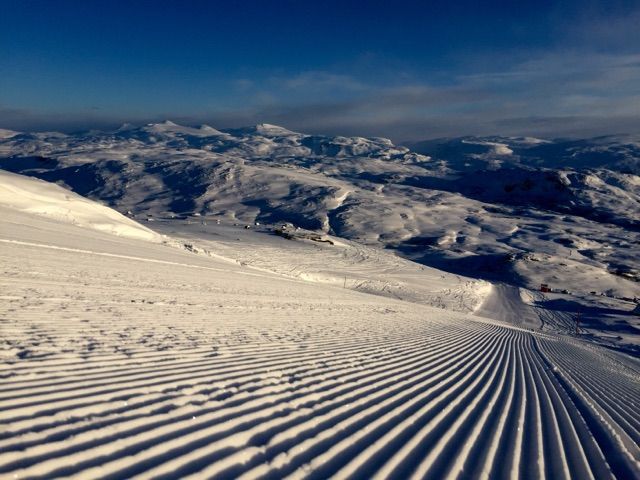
255 327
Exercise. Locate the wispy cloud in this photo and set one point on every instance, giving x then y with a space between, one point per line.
562 93
319 81
589 85
554 69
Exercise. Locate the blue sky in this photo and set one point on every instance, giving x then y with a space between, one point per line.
401 69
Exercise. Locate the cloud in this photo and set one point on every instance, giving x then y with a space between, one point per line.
29 120
603 26
553 94
243 84
580 76
316 80
576 95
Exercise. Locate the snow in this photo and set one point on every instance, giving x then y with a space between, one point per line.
230 353
341 263
269 129
4 133
205 349
496 148
615 152
24 194
561 212
169 127
262 130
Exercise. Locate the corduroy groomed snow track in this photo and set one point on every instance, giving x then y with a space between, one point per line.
120 367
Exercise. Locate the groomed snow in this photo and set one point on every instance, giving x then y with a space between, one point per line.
333 261
123 358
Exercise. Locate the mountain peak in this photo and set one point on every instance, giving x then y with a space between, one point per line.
262 129
125 127
4 133
167 125
209 130
171 128
270 129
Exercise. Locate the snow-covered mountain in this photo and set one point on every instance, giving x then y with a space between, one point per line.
521 209
614 152
219 351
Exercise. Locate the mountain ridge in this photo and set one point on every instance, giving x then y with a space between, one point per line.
478 206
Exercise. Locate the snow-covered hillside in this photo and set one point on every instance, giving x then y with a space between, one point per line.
522 210
330 260
619 153
126 358
24 194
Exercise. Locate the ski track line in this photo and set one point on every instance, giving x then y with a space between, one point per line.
221 387
130 257
94 386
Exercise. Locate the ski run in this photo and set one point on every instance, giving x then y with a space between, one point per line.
124 357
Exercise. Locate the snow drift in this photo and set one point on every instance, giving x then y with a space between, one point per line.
37 197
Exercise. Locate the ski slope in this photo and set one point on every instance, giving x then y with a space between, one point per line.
124 358
332 260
